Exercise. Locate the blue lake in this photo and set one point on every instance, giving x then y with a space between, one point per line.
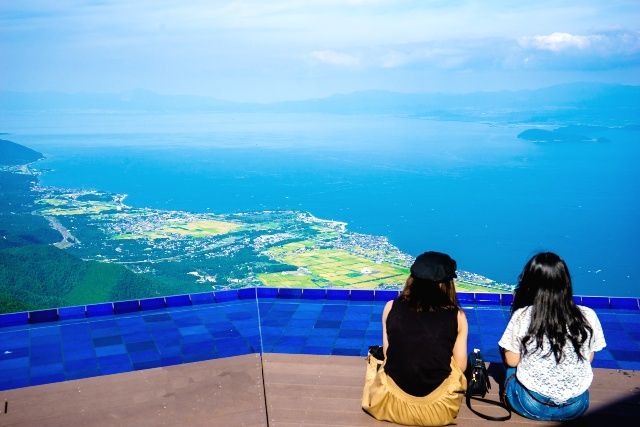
470 189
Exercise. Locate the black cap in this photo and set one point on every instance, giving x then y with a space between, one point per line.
434 266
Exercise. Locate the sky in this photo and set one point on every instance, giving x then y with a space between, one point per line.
274 50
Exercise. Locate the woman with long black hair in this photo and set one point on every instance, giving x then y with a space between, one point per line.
549 344
419 380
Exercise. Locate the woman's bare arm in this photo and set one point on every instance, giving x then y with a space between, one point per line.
385 340
511 359
460 346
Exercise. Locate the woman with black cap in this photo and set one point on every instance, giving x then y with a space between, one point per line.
420 380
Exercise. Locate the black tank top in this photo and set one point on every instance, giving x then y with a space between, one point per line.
420 347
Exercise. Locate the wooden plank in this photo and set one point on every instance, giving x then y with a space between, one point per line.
304 390
218 392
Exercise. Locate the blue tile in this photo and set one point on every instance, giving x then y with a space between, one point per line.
337 294
189 319
506 299
67 313
324 332
79 354
243 315
135 337
624 303
194 330
141 346
354 324
302 323
121 307
386 295
314 294
487 298
223 296
350 333
14 363
40 316
304 315
144 356
202 298
350 315
47 369
346 351
275 321
47 379
113 360
45 357
595 302
110 350
577 299
115 369
289 293
160 317
321 341
107 341
309 349
172 360
330 324
625 355
292 341
466 297
15 373
152 303
331 316
177 300
80 364
373 335
287 348
247 293
361 295
11 319
348 342
196 348
606 364
267 292
219 326
197 357
102 309
11 383
297 332
45 331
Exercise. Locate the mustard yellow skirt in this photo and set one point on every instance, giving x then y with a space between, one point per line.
385 401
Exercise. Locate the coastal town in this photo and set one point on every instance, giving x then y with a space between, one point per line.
223 251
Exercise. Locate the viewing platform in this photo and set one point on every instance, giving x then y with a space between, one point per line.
245 357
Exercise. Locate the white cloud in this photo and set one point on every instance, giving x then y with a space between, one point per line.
556 42
333 57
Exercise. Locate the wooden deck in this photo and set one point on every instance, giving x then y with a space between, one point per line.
300 390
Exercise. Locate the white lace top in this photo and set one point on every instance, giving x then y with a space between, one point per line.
559 381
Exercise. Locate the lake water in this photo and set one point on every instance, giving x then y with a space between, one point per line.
472 190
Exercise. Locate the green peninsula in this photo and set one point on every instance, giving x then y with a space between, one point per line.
65 247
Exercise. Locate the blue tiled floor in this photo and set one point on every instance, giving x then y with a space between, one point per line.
49 352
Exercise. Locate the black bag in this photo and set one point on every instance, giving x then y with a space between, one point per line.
376 351
478 385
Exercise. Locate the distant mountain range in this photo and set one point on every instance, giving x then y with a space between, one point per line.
585 103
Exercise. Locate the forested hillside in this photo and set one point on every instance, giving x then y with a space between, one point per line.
40 276
16 154
34 274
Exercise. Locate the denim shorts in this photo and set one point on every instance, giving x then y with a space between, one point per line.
536 406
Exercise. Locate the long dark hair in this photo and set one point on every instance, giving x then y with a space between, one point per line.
545 285
427 295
